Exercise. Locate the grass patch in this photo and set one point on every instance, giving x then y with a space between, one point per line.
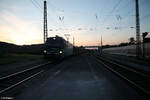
12 58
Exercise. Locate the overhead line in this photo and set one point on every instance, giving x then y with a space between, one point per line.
144 17
125 6
128 13
36 6
114 8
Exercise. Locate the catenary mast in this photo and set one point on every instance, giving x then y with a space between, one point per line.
138 46
45 21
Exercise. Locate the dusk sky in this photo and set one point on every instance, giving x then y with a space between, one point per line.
21 21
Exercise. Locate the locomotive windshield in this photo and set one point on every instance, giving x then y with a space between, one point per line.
54 42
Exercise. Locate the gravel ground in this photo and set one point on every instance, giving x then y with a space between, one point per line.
77 78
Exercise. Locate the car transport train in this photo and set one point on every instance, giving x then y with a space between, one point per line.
57 48
127 50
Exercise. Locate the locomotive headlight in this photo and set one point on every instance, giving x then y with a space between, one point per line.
60 51
44 51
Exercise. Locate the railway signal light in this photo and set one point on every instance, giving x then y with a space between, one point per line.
144 35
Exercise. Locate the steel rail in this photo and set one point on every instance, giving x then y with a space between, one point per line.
19 72
14 85
14 75
124 77
125 67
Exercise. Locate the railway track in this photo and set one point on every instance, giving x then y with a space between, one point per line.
140 81
10 81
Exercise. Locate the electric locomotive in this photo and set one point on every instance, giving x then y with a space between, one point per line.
57 47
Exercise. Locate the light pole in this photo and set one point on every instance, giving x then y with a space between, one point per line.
101 45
